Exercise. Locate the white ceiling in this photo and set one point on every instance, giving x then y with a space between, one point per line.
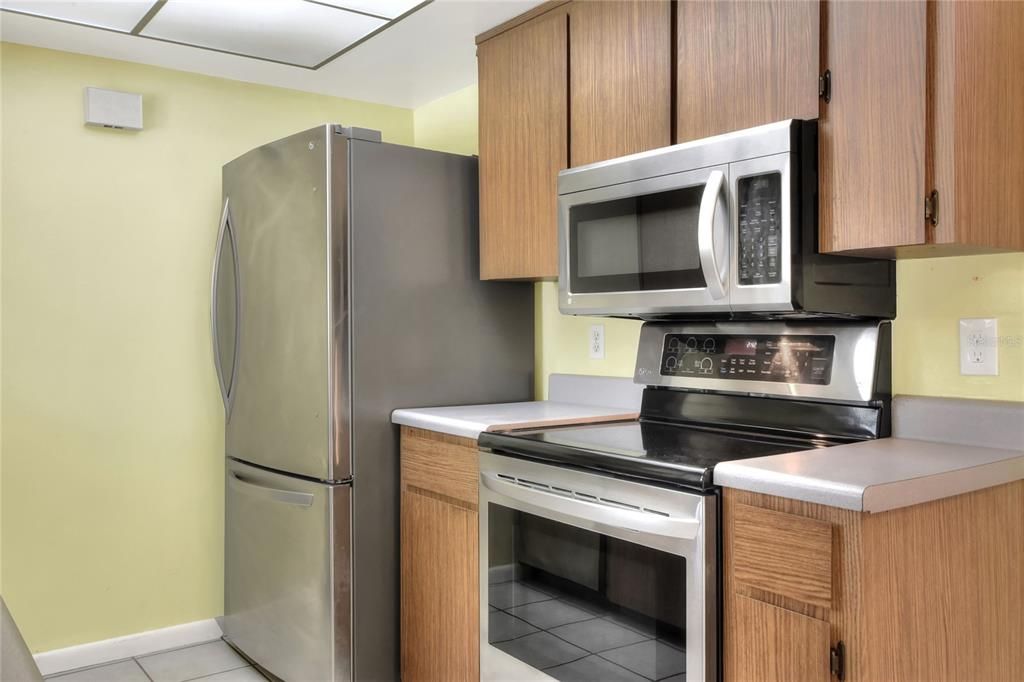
424 55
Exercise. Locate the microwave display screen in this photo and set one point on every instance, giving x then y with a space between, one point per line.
759 200
789 358
639 243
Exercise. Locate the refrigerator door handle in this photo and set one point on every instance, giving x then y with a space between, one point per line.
295 497
225 231
213 303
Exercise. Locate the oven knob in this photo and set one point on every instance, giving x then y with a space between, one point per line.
691 344
709 345
705 366
671 362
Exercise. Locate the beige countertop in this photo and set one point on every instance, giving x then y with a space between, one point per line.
876 475
573 399
470 421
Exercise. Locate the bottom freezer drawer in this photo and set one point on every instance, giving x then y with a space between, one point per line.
286 573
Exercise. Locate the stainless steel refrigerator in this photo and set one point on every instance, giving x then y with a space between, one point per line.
345 285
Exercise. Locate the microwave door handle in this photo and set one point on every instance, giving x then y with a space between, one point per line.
706 234
602 513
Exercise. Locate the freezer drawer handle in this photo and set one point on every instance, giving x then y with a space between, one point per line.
287 496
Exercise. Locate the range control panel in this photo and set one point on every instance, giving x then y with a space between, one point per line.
760 232
788 358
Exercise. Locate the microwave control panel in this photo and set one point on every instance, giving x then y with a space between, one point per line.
759 199
787 358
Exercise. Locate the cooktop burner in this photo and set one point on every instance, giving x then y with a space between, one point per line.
668 453
725 391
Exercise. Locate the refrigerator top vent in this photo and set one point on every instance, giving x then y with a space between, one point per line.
354 133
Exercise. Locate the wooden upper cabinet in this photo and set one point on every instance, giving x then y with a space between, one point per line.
924 96
743 64
977 113
872 133
524 142
620 78
568 82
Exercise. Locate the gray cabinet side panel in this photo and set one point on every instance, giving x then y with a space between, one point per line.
425 331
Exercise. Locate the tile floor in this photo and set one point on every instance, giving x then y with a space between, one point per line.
576 641
210 662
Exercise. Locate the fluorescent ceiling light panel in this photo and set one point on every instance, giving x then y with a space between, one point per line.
121 15
289 31
382 8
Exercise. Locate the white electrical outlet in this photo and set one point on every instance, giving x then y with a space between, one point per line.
979 346
595 343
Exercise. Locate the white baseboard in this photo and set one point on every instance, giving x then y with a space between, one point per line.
118 648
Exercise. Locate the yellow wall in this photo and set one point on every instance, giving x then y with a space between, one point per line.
1 327
933 295
113 440
449 124
562 341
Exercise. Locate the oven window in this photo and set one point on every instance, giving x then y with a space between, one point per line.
640 243
579 605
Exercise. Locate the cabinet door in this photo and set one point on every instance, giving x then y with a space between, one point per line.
776 645
523 144
872 135
743 64
977 118
620 78
440 591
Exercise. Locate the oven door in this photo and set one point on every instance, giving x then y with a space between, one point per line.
584 576
649 247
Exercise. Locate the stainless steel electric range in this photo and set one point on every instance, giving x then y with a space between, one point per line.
600 545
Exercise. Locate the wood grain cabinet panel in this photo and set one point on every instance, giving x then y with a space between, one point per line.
777 645
924 96
443 464
440 617
440 606
523 144
977 116
620 78
872 133
784 554
743 64
927 592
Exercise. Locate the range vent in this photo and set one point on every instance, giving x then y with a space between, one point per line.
580 495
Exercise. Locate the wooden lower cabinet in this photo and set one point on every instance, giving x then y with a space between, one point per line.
932 592
783 646
440 558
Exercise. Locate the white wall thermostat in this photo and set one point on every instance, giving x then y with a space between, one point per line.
112 109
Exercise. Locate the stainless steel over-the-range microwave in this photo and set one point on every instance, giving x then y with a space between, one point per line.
721 227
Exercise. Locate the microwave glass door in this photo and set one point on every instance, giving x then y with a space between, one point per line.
639 243
580 605
658 244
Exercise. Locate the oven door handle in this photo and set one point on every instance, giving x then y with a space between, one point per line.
706 234
597 512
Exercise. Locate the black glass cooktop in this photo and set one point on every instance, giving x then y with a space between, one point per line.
668 453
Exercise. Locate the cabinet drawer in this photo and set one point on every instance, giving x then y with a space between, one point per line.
784 554
442 465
